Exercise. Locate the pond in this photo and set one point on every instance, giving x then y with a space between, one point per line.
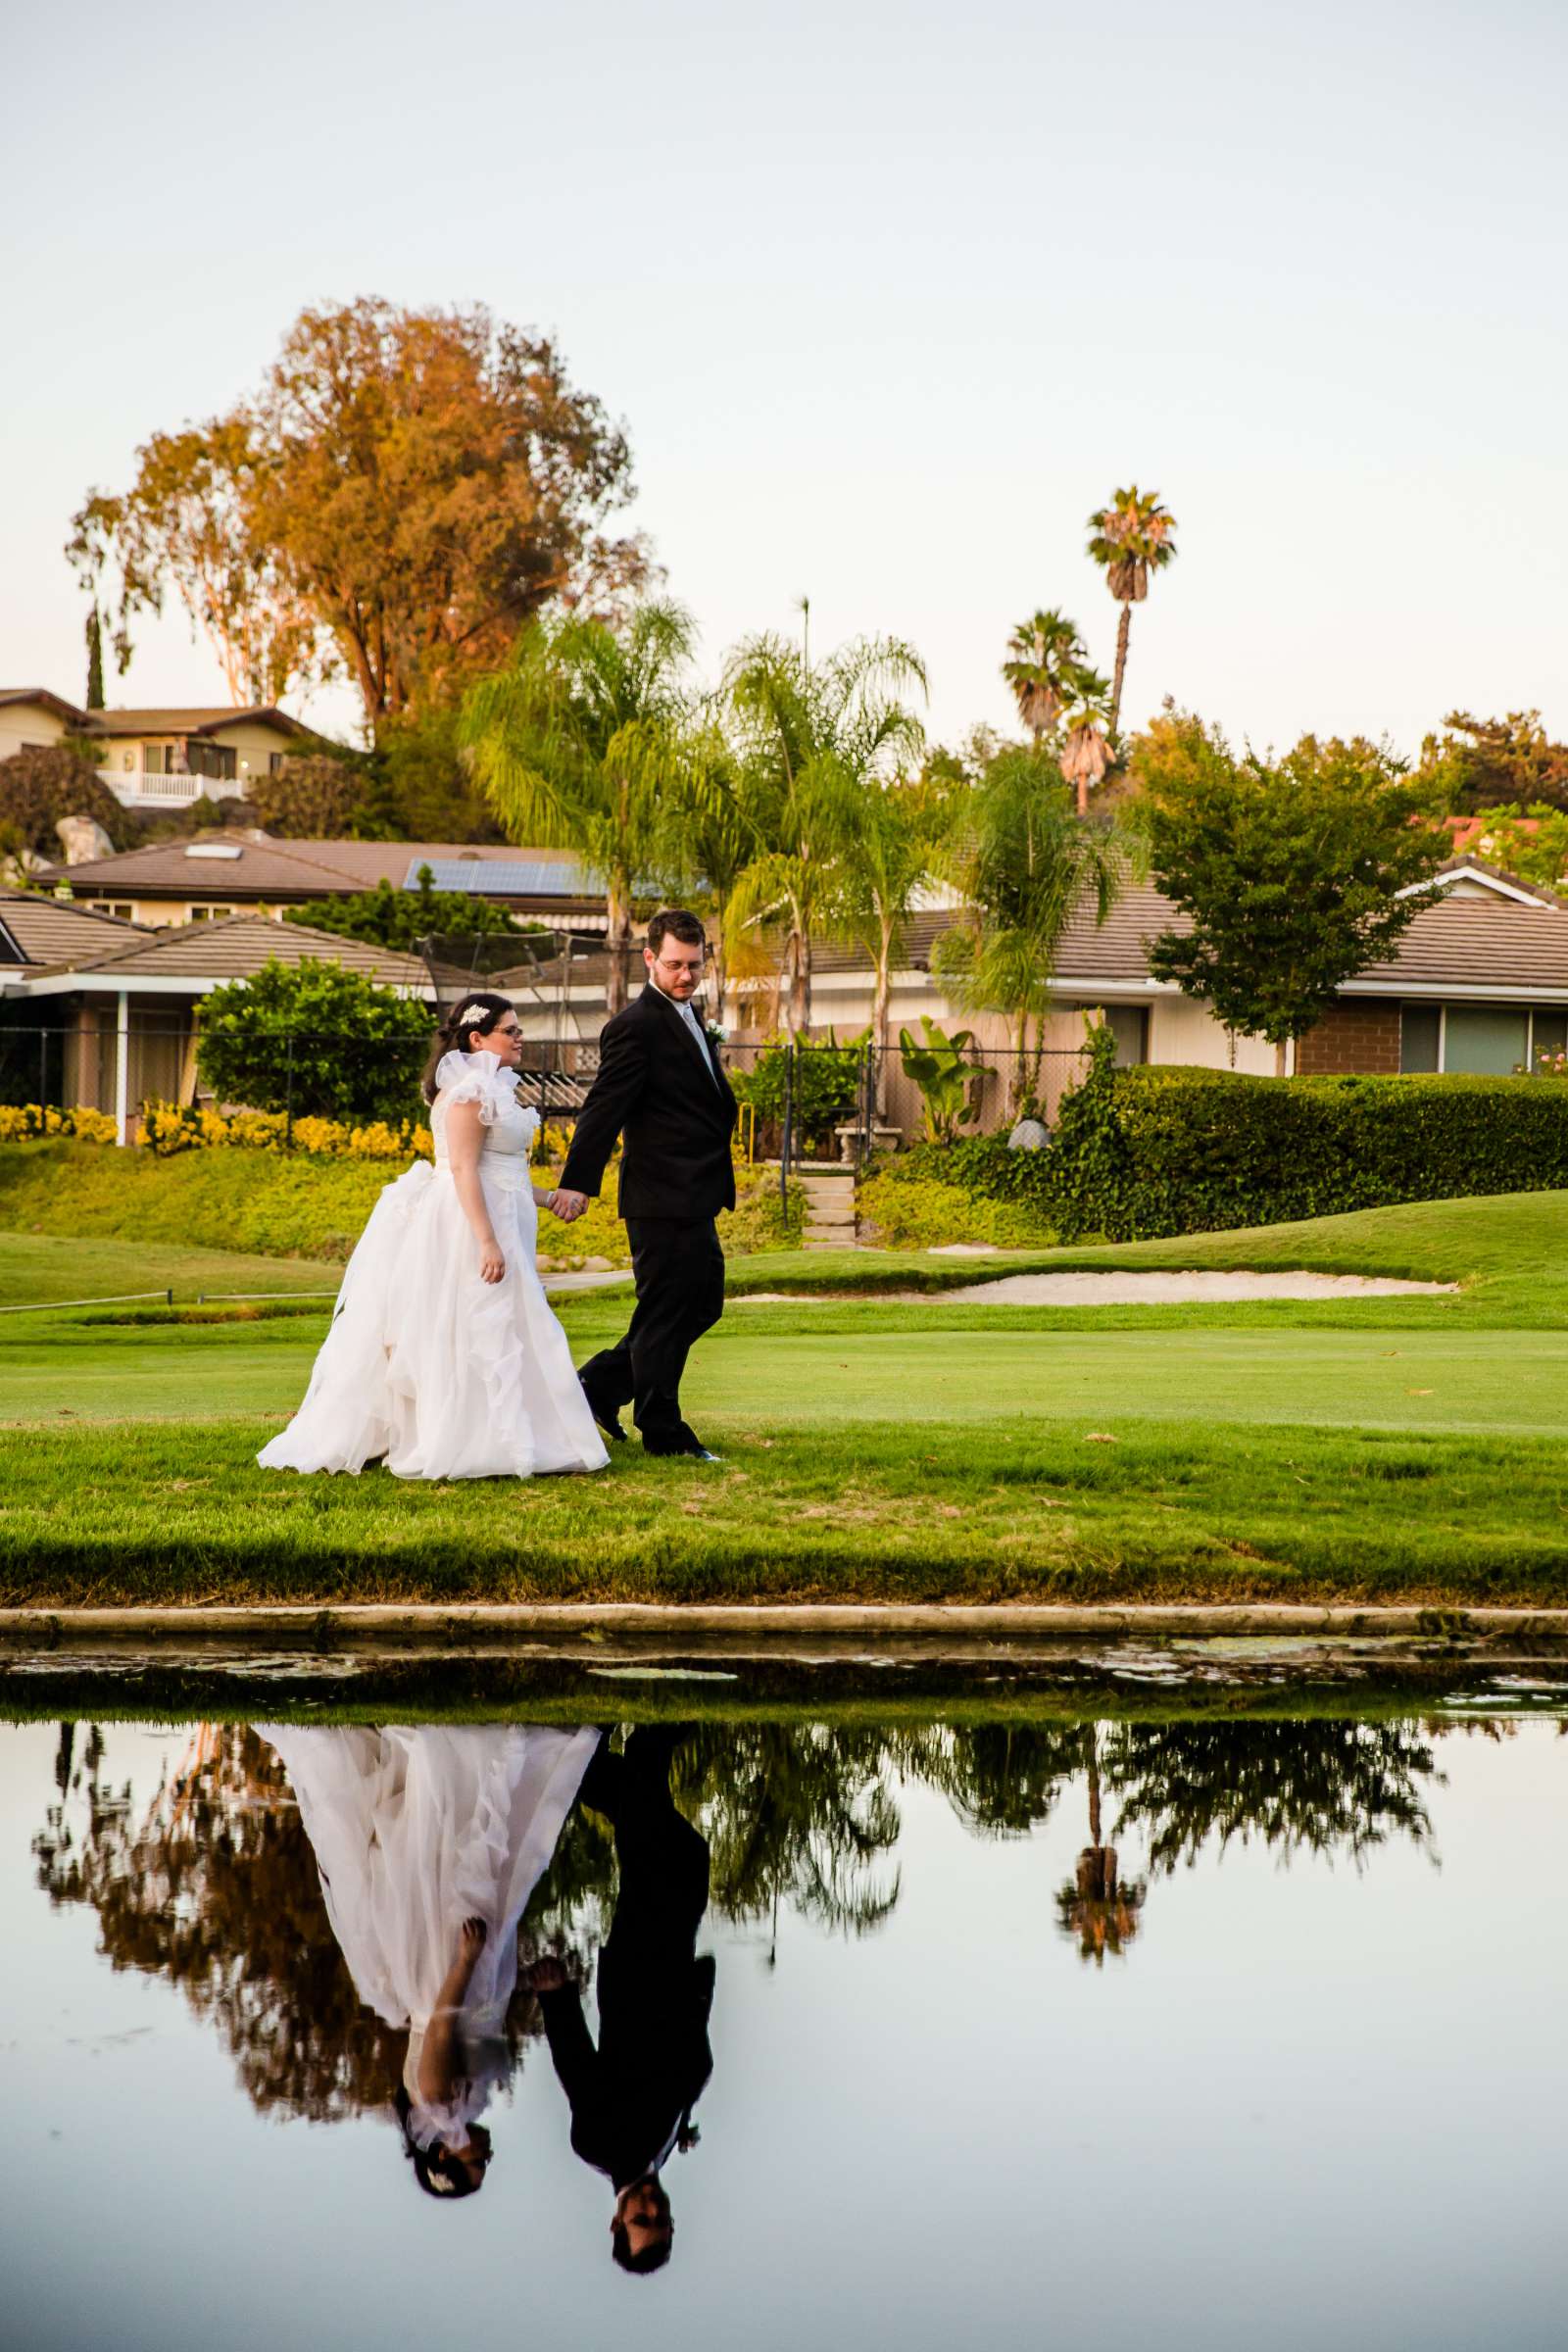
1205 2029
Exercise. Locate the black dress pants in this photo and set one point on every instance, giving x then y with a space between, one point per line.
679 1271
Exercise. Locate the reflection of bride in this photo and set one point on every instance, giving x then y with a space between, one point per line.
430 1843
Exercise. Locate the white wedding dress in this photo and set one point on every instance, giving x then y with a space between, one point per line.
413 1831
442 1374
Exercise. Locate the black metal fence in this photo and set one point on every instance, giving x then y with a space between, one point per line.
800 1102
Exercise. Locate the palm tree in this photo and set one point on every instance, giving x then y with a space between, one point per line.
886 857
706 835
1044 654
1129 539
1023 860
577 742
1086 748
1098 1906
814 742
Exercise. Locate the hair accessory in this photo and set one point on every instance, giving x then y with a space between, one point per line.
473 1017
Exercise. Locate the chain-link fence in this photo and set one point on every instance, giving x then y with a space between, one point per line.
805 1101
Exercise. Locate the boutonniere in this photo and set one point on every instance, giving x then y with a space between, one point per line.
718 1032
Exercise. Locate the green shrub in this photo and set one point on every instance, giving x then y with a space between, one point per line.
293 1204
315 1038
1154 1151
823 1085
912 1210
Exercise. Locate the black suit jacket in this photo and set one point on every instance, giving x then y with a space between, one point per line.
654 1091
629 2095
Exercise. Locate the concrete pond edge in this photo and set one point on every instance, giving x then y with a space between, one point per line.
759 1629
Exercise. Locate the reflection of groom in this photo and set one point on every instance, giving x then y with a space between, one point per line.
660 1087
631 2098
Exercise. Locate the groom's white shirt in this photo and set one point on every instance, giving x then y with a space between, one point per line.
692 1023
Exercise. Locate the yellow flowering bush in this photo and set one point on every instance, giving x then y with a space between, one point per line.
22 1122
169 1128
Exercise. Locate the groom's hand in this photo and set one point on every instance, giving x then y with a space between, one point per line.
568 1206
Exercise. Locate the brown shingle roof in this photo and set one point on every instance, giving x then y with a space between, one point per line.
36 930
265 868
46 700
204 720
236 950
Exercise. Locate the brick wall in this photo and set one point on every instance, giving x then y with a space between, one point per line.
1358 1035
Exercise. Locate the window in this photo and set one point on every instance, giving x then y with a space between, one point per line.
1129 1026
275 761
210 914
1478 1040
117 907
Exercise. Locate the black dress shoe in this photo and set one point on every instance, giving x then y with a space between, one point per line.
685 1443
605 1415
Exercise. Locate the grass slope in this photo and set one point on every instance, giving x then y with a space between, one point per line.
1376 1448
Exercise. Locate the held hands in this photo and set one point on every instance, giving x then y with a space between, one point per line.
567 1206
546 1975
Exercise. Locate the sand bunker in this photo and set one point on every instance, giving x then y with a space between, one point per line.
1130 1289
1133 1288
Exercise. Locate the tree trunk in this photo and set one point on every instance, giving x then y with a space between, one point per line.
617 938
715 960
1094 1788
879 1020
1123 631
801 984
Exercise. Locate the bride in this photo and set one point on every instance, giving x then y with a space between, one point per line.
444 1357
430 1843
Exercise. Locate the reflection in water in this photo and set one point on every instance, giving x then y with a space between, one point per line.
430 1843
326 1999
632 2095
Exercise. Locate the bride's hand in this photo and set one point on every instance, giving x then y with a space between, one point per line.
492 1265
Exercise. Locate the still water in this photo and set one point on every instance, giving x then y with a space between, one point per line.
1199 2033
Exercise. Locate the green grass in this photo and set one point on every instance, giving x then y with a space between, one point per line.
1376 1448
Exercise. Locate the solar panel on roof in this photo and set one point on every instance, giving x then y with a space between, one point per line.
502 878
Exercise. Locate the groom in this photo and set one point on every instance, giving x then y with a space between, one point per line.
660 1087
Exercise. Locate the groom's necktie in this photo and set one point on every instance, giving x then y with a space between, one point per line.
695 1026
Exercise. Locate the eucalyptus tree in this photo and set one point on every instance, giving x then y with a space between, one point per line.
1024 860
1129 539
577 742
815 739
1044 656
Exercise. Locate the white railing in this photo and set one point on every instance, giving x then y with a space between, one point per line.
144 784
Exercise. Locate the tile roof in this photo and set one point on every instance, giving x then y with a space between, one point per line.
1503 945
36 930
236 950
272 867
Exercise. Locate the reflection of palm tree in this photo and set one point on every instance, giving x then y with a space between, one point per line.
797 1813
1097 1907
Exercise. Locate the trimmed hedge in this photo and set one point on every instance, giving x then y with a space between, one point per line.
1147 1152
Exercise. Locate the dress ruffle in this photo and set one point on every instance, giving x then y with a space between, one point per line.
479 1078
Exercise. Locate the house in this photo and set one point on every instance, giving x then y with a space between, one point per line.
124 999
159 758
217 873
1479 983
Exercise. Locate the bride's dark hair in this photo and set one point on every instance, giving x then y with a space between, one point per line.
479 1011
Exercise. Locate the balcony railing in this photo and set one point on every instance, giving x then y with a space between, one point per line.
149 784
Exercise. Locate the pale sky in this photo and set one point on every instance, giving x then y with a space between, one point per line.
888 298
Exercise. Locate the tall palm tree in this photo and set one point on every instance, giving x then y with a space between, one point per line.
1023 860
706 834
1098 1906
1043 655
577 742
1129 539
814 742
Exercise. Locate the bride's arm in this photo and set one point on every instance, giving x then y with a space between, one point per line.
465 1137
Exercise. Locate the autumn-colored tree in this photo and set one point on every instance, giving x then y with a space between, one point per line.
407 489
1479 764
1129 539
577 743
